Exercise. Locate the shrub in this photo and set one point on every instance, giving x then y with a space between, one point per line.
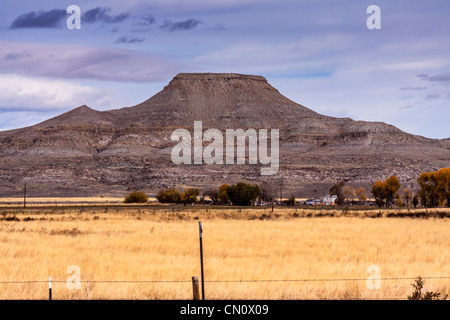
136 197
170 195
418 295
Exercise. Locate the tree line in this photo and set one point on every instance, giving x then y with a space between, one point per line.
241 194
434 190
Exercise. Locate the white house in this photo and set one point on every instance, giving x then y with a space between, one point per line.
329 200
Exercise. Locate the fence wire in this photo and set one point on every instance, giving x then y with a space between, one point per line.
226 281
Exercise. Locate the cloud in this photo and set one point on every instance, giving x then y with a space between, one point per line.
24 93
443 77
422 76
17 55
440 78
54 18
125 39
85 62
432 96
39 19
415 65
181 25
412 88
146 21
101 14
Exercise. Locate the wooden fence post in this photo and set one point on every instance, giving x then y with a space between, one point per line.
195 288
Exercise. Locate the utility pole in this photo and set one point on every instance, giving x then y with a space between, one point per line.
281 190
25 195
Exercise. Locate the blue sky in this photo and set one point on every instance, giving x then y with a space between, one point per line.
318 53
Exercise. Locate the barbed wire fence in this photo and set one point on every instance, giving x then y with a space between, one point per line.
51 281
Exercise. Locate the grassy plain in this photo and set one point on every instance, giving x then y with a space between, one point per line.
331 250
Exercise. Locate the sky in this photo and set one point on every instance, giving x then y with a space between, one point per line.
318 53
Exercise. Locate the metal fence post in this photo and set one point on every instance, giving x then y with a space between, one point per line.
50 288
201 258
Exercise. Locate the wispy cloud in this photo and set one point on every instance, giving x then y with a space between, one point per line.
432 96
17 55
101 14
412 88
443 77
84 62
180 25
146 21
125 39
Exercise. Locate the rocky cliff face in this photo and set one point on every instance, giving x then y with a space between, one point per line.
86 152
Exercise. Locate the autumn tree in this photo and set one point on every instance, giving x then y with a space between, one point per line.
399 200
212 194
190 195
243 194
415 200
390 188
348 192
443 186
408 195
337 190
267 191
427 191
385 192
377 192
361 194
223 193
169 195
291 201
435 188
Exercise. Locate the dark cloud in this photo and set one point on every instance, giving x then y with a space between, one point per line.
412 88
17 55
125 39
146 21
440 77
181 25
39 19
101 14
422 76
433 96
443 77
55 17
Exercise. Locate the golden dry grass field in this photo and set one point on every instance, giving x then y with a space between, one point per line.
120 249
